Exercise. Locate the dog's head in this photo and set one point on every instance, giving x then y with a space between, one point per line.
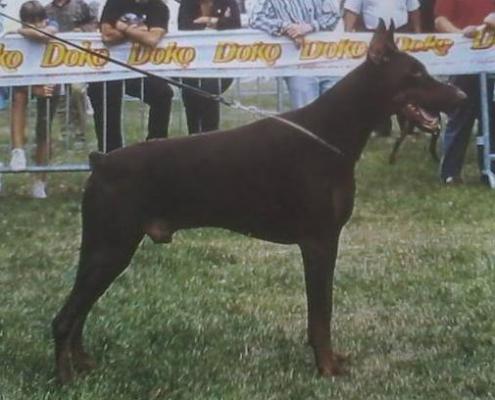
406 82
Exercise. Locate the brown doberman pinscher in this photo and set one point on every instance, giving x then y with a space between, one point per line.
266 179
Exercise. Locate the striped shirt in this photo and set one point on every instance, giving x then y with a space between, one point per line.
273 16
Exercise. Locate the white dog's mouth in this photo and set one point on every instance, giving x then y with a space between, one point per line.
426 120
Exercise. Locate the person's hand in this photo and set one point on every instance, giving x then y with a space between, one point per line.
489 21
210 22
295 31
299 41
201 20
121 26
43 90
470 31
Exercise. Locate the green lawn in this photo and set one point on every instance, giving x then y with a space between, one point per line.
216 315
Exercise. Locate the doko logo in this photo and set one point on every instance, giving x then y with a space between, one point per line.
10 60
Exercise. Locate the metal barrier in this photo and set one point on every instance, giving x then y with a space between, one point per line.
484 139
267 94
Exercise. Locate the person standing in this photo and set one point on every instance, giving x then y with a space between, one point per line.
33 13
72 16
65 16
144 22
203 114
462 16
295 20
364 15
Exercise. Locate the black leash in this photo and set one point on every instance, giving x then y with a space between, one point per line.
215 97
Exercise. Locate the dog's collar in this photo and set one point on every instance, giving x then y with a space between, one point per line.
308 133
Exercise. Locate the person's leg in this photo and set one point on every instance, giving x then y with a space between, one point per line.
491 116
45 111
458 130
78 110
107 117
210 119
18 127
18 116
302 90
326 83
210 109
192 106
158 95
46 108
3 98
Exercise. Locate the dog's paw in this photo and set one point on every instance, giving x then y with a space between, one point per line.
64 376
333 364
341 357
83 362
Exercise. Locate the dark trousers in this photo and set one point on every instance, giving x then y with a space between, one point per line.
155 92
460 125
203 114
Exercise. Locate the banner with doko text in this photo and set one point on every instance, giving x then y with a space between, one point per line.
237 53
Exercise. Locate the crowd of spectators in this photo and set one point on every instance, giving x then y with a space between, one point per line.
147 22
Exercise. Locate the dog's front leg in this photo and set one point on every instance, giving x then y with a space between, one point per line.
319 263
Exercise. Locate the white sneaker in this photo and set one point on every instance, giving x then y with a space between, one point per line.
38 190
18 160
89 108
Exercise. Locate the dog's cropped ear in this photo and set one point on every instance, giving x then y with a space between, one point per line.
382 44
391 28
391 33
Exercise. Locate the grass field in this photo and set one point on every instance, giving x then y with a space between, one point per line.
216 315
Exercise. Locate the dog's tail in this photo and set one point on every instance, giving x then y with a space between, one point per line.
96 160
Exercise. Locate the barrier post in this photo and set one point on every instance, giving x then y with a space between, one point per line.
483 139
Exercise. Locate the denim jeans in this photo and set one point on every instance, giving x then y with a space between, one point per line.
304 89
4 97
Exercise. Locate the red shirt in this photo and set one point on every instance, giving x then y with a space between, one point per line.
464 12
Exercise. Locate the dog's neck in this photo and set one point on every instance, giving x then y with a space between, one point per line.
345 115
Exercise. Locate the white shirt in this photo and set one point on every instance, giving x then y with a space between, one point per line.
388 10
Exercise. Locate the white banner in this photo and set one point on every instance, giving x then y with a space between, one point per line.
236 53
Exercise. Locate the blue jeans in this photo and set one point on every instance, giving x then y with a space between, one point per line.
304 89
4 97
460 125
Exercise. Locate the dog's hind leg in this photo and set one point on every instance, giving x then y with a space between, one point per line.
99 265
319 263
